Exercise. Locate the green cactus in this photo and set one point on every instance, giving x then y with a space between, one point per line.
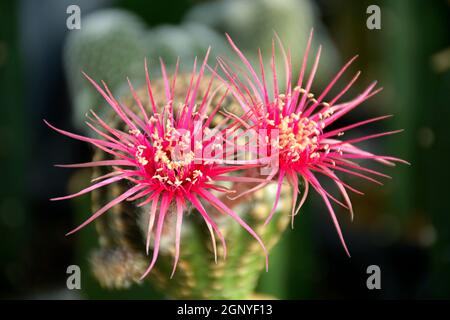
121 259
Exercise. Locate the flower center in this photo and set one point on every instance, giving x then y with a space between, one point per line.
169 159
298 138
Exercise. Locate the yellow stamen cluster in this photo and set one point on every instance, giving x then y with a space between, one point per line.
296 135
139 155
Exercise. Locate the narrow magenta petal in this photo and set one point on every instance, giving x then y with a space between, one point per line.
111 204
91 188
97 164
274 71
358 175
138 121
138 101
208 221
263 77
177 233
277 196
151 222
374 157
287 64
117 144
321 192
238 179
174 80
305 195
293 180
82 138
345 89
207 96
143 193
240 91
121 136
246 62
358 167
343 192
149 89
191 82
331 177
166 198
372 136
301 75
111 174
256 188
310 80
110 101
328 194
166 80
347 107
354 125
330 85
199 78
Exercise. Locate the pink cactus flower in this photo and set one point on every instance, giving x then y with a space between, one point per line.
304 146
156 156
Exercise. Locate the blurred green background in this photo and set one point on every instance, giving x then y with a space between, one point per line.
404 226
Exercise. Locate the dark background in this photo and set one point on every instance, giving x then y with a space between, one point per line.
404 226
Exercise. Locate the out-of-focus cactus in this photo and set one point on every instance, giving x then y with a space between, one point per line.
108 46
121 259
113 44
185 41
252 24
